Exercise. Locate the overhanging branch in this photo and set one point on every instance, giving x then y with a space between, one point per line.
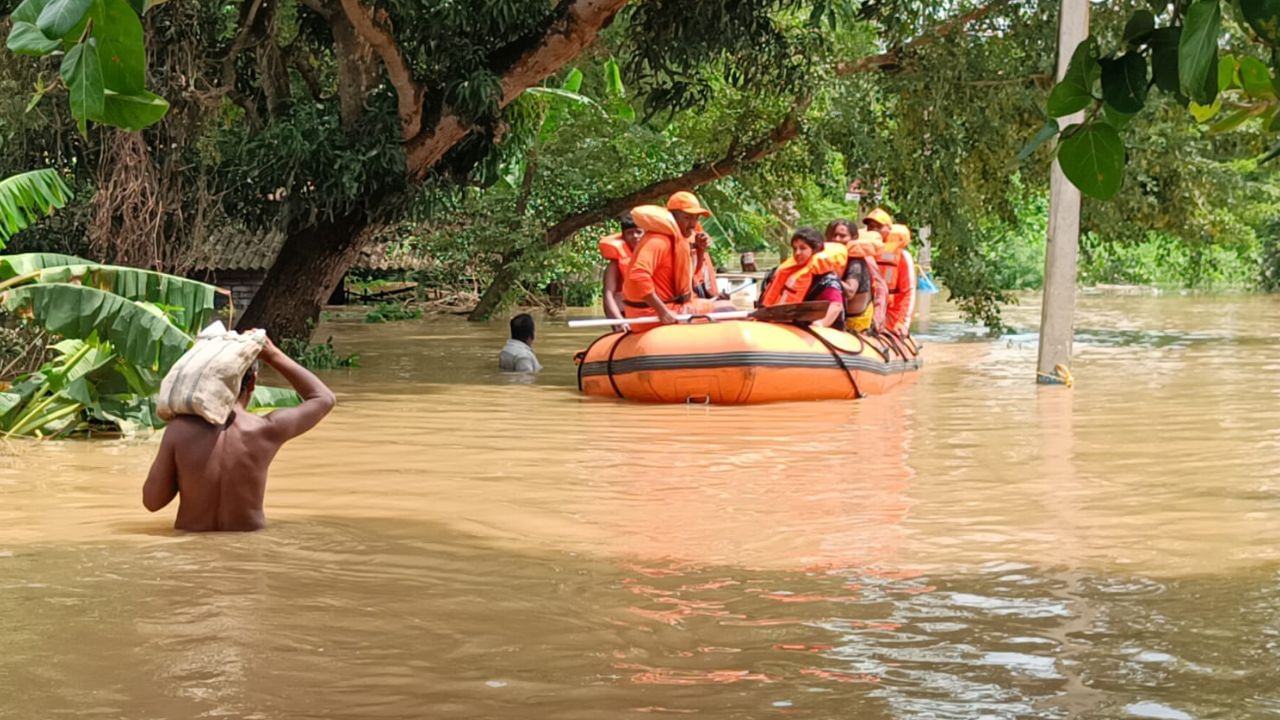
409 94
893 56
576 25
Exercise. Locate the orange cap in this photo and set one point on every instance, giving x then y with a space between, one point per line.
880 216
687 202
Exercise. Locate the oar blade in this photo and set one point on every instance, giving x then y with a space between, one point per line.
797 312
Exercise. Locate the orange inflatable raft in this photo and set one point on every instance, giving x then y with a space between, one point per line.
739 362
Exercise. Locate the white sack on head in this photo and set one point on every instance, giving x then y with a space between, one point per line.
206 380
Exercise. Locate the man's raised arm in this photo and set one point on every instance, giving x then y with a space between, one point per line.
317 398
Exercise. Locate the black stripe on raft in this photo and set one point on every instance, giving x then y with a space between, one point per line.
749 358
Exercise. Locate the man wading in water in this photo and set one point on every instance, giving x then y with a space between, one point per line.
221 471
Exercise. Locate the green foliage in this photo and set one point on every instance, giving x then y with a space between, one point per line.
319 356
1189 59
120 330
392 312
28 197
104 61
1092 158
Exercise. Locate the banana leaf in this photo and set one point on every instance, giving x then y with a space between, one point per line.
193 300
12 266
27 197
266 398
138 334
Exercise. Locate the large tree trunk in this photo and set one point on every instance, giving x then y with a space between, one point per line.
314 259
310 265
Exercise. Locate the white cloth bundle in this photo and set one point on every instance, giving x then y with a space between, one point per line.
206 380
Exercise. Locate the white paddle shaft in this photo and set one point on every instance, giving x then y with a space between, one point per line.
610 322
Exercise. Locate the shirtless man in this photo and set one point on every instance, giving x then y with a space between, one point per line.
221 471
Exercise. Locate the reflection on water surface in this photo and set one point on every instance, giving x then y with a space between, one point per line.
456 543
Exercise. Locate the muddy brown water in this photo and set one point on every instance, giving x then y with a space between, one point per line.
453 543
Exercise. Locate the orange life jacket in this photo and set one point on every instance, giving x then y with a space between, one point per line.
899 237
791 282
660 228
865 248
899 274
614 248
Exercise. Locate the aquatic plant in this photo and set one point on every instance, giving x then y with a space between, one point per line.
391 312
318 356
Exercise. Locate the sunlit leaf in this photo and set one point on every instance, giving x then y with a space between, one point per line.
1256 78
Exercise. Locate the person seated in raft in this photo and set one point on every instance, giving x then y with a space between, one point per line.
898 269
517 355
659 281
807 276
220 471
618 249
687 209
865 291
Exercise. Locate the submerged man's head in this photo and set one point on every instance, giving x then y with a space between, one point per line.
522 328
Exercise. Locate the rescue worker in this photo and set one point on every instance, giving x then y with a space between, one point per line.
898 269
618 249
807 276
865 290
686 209
659 279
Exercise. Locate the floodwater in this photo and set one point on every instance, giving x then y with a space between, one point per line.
453 543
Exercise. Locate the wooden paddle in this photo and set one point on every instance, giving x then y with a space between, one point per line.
798 312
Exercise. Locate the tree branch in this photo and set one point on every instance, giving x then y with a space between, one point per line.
409 94
575 27
893 56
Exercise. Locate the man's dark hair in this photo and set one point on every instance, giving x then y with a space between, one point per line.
628 222
522 327
811 237
248 378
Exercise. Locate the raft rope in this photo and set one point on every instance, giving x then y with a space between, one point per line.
608 368
835 353
891 342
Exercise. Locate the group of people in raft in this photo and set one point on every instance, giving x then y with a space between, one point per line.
660 265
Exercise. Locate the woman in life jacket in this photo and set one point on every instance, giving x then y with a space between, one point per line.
865 291
807 276
617 249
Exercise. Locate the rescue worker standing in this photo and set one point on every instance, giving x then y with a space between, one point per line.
898 269
659 280
618 250
687 209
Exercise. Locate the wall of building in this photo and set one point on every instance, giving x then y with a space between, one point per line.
243 284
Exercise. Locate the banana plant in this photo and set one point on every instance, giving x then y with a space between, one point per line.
121 328
27 197
555 105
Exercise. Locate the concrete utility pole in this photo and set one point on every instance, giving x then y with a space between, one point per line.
1058 309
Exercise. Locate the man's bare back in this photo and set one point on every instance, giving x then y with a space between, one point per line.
220 472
